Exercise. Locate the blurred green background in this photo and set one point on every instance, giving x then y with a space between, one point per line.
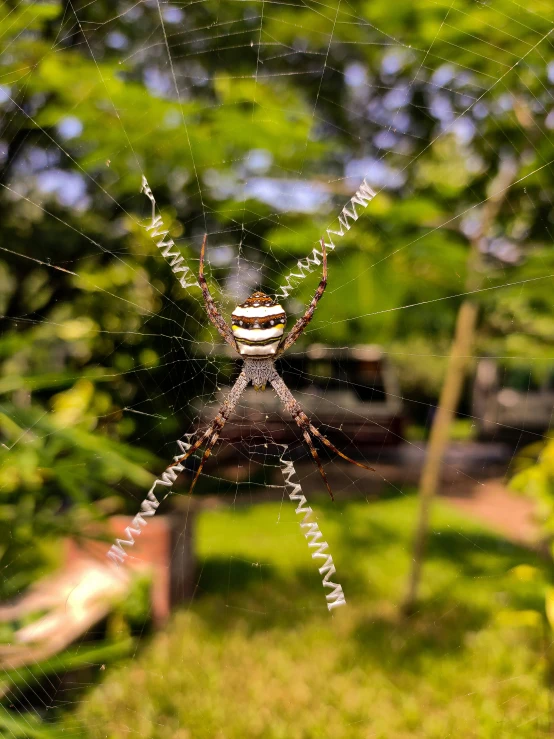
255 122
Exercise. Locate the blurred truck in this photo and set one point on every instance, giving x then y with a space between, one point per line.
509 402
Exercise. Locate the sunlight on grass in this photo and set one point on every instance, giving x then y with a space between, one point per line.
258 655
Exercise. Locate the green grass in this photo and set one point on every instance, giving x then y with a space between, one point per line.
257 654
461 429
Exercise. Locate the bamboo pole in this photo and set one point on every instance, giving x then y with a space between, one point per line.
458 361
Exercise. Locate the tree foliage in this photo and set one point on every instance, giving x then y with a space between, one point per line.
425 98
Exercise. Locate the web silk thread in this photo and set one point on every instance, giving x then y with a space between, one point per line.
364 195
311 531
159 233
148 508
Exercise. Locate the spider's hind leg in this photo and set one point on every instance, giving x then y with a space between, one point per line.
208 451
211 435
315 456
293 407
197 444
334 449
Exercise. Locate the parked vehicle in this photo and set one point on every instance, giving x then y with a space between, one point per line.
352 394
509 401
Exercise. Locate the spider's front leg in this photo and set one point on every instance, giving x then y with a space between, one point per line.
211 309
300 325
307 427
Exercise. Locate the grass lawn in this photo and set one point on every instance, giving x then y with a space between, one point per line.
257 654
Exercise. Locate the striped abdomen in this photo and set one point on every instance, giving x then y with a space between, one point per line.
258 326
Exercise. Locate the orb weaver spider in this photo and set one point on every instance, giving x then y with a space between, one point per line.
257 334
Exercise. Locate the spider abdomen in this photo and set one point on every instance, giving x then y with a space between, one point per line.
258 325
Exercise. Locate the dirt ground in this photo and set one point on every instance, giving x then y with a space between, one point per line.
494 504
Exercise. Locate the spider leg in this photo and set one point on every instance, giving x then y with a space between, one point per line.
334 449
316 459
211 309
213 431
302 322
198 443
207 452
295 410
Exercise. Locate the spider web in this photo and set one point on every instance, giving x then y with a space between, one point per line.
270 160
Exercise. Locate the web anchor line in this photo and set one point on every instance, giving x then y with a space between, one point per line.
363 196
311 531
148 508
159 234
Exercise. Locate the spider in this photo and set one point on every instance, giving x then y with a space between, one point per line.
257 334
